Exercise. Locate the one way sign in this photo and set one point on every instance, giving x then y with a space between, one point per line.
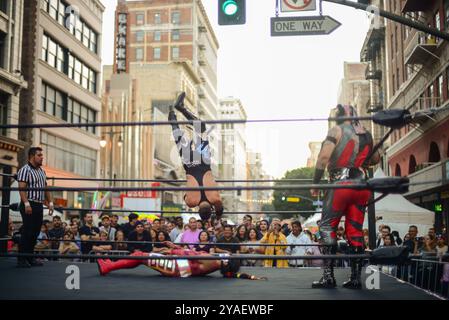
303 26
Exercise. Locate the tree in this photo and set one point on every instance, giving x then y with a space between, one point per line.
304 204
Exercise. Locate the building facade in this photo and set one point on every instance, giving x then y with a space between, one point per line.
61 63
257 199
315 148
418 73
232 165
11 81
354 88
374 54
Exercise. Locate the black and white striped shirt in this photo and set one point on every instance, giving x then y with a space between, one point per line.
34 178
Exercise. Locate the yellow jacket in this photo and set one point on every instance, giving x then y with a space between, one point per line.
271 238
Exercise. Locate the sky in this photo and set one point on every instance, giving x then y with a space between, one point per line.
277 77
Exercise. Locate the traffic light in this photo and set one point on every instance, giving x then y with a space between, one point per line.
231 12
438 208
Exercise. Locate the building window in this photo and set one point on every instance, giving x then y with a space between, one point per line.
437 20
422 102
157 36
61 13
86 36
140 36
44 47
61 60
157 18
3 112
51 101
4 6
157 53
76 112
58 57
176 17
430 95
397 79
53 9
140 18
139 54
93 42
440 90
57 104
77 71
175 52
175 35
434 153
68 156
51 52
72 22
79 30
60 105
411 164
85 78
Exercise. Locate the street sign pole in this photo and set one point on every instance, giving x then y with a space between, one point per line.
394 17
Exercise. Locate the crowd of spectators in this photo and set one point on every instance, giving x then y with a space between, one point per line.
281 238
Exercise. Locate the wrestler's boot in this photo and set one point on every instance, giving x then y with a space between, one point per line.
179 105
106 266
355 279
328 278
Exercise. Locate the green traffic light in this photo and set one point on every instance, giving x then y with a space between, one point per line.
230 7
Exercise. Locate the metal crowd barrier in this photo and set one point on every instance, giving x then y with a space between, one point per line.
45 251
111 252
428 273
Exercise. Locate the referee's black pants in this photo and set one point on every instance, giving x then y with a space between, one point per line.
31 226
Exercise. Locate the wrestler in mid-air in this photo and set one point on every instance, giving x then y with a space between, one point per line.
179 267
196 159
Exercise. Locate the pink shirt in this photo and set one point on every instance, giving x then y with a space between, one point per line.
191 237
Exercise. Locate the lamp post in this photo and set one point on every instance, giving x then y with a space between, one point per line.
104 142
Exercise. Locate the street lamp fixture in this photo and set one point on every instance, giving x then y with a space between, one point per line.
120 142
103 142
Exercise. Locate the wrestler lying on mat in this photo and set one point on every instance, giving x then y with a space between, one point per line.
196 159
180 267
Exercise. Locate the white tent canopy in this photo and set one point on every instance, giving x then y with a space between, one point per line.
399 213
312 220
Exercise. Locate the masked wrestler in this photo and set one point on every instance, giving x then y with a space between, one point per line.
196 159
344 153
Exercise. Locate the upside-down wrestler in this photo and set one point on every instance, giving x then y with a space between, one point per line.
180 267
196 160
346 154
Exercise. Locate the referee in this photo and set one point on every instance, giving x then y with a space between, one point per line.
31 208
